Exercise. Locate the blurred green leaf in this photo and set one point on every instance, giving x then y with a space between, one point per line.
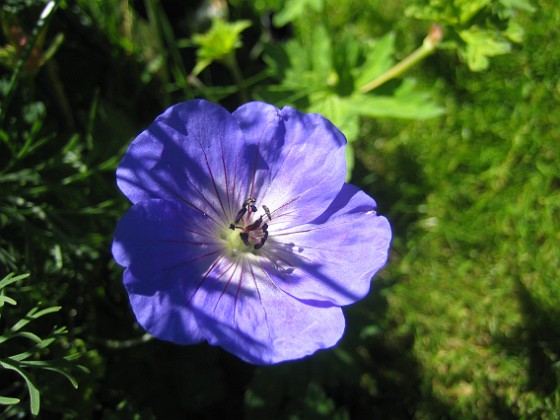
8 400
482 44
218 43
523 5
295 9
469 8
378 59
407 102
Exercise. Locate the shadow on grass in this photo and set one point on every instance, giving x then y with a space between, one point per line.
537 341
372 373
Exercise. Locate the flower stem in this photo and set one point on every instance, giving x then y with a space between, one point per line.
428 46
231 63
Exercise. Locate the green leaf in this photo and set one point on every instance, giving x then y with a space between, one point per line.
48 366
294 9
514 32
405 103
321 53
482 44
379 58
11 278
218 43
9 400
6 299
33 313
34 395
518 4
469 8
22 334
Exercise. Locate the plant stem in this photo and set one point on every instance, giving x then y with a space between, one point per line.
231 62
428 46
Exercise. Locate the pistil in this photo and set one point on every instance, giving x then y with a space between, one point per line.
253 233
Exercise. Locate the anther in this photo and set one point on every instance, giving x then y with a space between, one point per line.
255 224
262 241
245 238
267 211
240 214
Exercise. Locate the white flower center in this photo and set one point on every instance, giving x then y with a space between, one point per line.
246 234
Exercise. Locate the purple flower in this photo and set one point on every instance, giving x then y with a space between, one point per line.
242 231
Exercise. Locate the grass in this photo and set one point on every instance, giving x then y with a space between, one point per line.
478 210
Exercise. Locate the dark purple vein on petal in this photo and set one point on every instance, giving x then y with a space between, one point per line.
256 284
205 276
228 282
254 173
211 174
187 202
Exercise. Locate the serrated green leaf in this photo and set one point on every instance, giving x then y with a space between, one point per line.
294 9
405 103
345 60
469 8
379 58
518 4
481 44
514 32
218 43
336 109
321 53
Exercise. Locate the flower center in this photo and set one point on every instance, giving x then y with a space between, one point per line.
247 235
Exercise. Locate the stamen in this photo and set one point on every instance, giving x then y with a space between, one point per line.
255 224
240 214
245 238
267 211
262 241
256 233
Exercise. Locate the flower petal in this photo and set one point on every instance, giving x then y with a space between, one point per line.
303 161
193 153
243 312
333 258
166 247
